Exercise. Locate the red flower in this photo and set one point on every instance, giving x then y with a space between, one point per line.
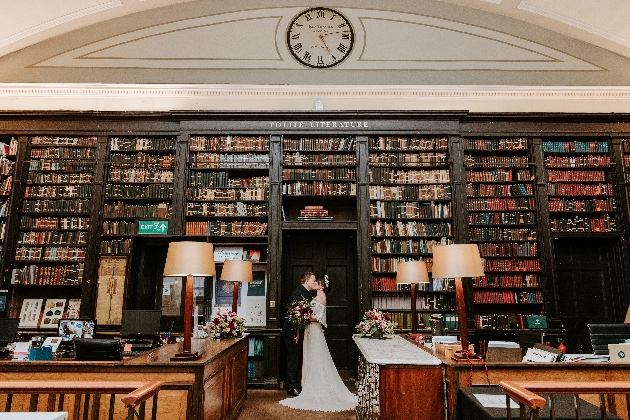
215 321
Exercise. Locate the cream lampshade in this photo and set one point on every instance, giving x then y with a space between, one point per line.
236 270
412 272
457 261
189 259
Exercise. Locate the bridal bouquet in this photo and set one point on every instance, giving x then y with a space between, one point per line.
299 313
226 323
376 324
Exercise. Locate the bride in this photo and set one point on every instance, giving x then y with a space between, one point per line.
322 387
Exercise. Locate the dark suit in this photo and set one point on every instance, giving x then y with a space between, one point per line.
294 350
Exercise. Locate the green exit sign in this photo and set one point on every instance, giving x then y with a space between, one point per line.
152 227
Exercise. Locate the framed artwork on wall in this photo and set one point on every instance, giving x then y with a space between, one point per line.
110 295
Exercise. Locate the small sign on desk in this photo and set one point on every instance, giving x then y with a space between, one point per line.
152 227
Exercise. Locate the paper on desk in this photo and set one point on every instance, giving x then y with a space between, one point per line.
494 401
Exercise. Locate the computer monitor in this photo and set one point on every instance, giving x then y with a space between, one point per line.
604 334
140 323
76 328
8 329
97 349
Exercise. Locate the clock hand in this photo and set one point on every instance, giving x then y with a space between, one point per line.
321 36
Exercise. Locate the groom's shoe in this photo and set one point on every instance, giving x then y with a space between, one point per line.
294 392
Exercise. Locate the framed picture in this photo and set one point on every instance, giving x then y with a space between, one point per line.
110 294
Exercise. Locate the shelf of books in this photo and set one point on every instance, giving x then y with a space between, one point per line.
138 191
256 369
580 188
52 238
410 212
227 192
319 181
503 223
8 157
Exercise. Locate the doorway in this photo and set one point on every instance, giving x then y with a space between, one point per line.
584 269
332 253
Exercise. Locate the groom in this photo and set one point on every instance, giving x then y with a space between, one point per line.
294 350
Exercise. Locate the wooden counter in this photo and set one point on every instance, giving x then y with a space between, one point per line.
398 381
213 387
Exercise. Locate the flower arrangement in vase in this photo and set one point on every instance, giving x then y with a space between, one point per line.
226 324
376 324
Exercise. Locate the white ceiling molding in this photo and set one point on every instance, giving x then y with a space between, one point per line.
254 98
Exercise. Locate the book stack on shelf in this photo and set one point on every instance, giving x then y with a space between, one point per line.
228 186
8 156
503 223
580 187
410 213
314 214
256 358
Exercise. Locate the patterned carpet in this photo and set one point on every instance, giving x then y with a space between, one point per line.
263 405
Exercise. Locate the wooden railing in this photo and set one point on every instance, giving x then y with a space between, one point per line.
530 403
87 397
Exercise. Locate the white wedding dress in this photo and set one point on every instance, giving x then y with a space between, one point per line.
322 387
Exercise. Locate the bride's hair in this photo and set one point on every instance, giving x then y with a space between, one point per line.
326 283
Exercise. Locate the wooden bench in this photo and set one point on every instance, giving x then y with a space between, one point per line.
87 397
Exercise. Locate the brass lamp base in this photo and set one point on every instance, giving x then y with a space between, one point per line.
458 356
183 357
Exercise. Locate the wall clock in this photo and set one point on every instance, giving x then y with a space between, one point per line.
320 37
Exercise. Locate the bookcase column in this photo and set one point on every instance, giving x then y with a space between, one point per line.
621 148
274 232
364 284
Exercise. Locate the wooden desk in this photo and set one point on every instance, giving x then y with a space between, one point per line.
213 387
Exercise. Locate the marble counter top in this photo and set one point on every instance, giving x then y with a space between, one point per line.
393 351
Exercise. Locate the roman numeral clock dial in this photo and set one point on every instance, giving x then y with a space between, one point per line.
320 37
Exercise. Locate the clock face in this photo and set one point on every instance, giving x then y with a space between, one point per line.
320 37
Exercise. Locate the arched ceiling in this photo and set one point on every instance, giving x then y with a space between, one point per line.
399 42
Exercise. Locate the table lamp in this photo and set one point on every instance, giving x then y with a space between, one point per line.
236 270
189 259
457 261
412 272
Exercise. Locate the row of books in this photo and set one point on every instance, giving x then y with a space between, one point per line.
63 153
61 165
575 146
58 191
50 237
319 143
53 223
444 301
334 173
407 159
517 143
141 143
408 143
6 165
573 204
54 253
6 185
139 175
241 194
403 320
118 228
150 211
403 246
504 249
319 188
223 180
57 206
499 175
581 189
570 176
400 228
507 280
492 322
388 283
229 143
59 178
496 161
163 191
501 204
410 210
256 369
506 296
63 141
256 347
204 160
142 160
502 218
390 175
499 190
115 247
224 228
69 274
585 224
502 234
585 161
512 265
320 159
227 209
4 207
390 264
411 192
10 148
